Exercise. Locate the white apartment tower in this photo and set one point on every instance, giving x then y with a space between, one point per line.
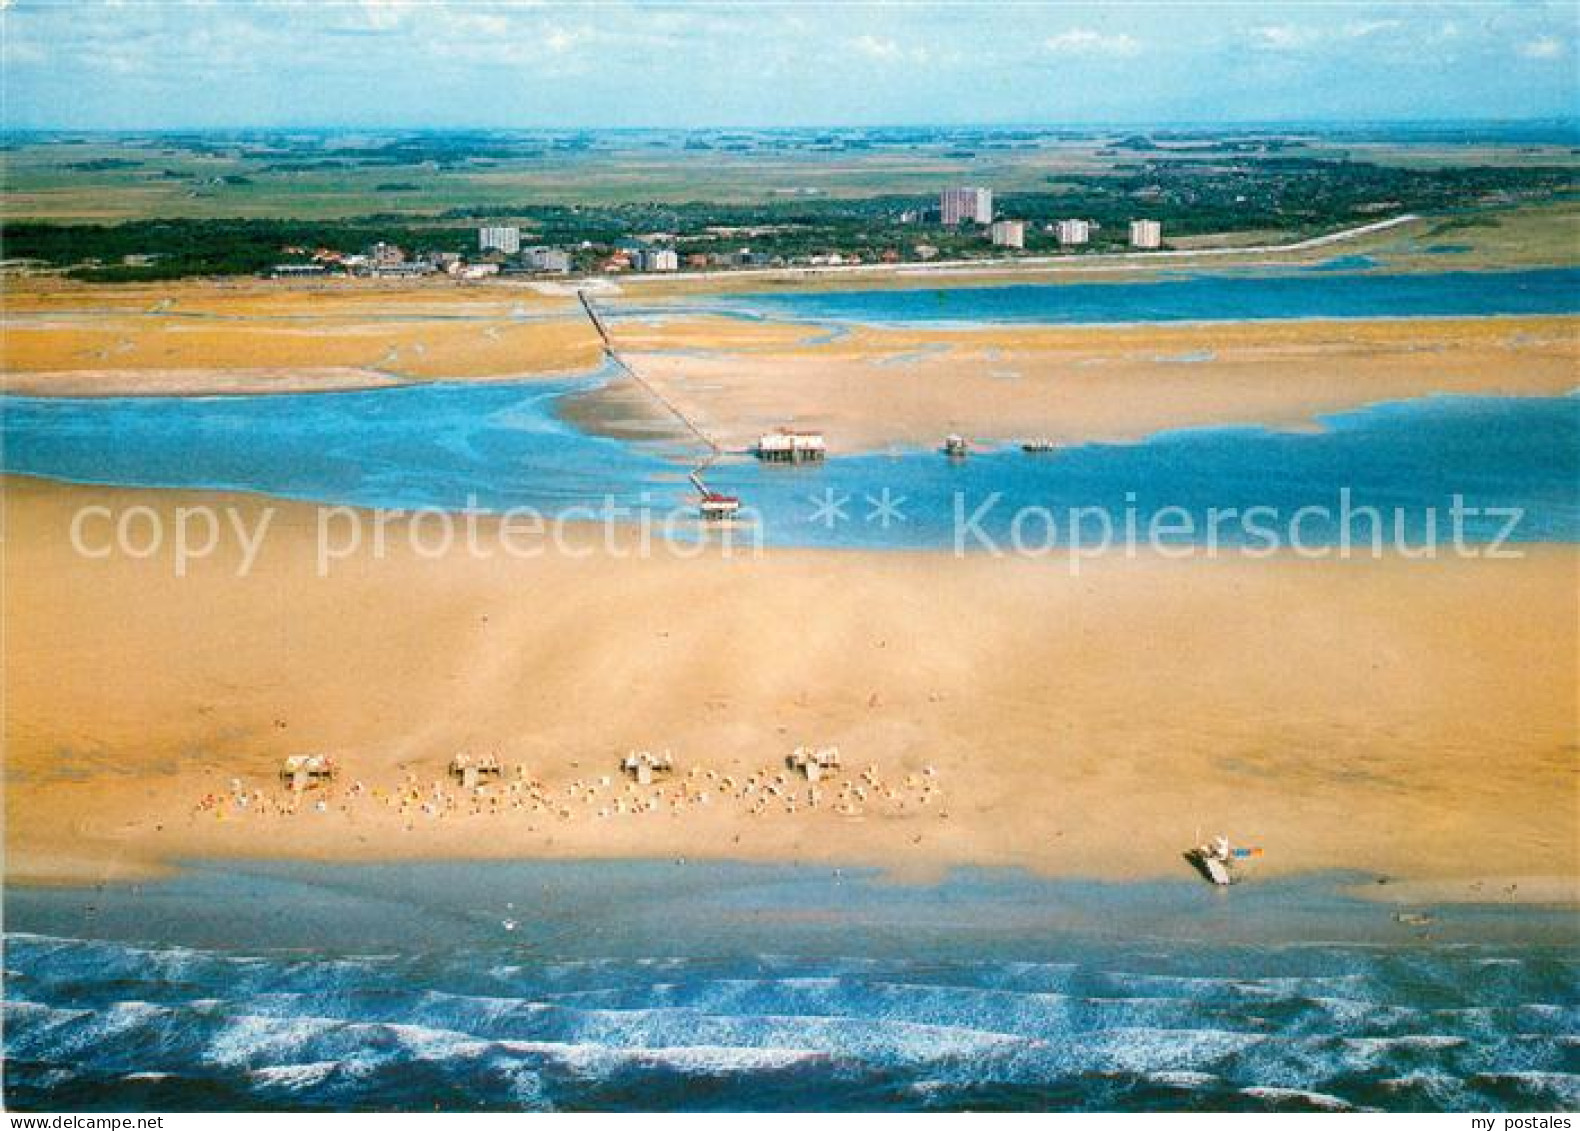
507 240
966 204
657 259
1146 234
1072 233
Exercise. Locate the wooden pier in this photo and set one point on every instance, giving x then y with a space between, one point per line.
713 506
669 406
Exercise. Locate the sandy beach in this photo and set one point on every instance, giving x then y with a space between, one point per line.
874 388
253 336
1407 719
990 712
867 388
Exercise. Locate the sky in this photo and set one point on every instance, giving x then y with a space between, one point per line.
152 64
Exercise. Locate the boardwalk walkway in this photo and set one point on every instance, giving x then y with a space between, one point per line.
714 449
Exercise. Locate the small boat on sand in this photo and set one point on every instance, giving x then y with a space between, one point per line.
1218 862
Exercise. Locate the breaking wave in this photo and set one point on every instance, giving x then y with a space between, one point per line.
99 1024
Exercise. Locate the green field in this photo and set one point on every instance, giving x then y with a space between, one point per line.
95 179
131 208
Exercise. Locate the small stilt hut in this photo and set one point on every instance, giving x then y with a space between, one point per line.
303 771
814 762
473 772
643 766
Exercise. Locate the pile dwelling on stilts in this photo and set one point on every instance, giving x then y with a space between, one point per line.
790 446
713 506
814 763
302 771
642 767
473 772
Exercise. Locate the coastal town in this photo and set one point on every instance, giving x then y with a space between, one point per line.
501 250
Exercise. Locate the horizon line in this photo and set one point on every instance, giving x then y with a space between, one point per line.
1570 121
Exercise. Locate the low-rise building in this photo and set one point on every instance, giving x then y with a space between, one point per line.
550 260
401 270
1009 233
384 254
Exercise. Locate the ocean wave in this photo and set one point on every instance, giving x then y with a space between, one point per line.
1156 1028
294 1077
1561 1089
1184 1079
1319 1100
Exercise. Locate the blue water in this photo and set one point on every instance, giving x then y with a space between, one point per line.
1193 298
422 445
1346 263
498 446
1406 461
666 986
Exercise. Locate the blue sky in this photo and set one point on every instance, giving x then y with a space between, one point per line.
144 64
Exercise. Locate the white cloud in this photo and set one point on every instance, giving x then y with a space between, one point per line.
872 46
1282 37
1547 47
562 39
1084 41
383 15
1362 29
887 50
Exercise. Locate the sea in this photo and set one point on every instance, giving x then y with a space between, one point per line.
679 985
1344 287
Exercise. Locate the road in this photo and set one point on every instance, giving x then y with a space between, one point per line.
1110 261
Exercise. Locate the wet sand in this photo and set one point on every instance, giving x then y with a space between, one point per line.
866 387
1409 719
254 336
869 388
